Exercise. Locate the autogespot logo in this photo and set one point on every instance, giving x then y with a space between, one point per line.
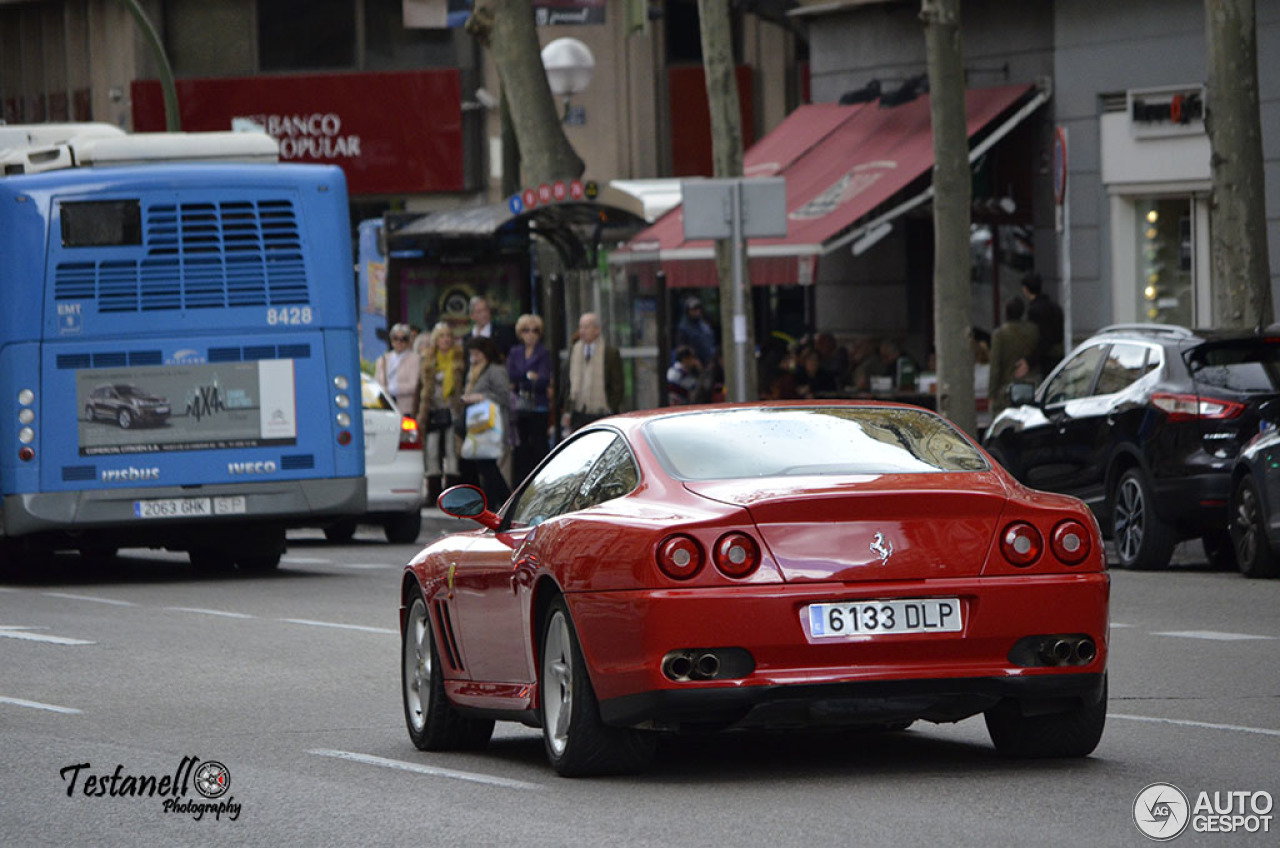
1160 811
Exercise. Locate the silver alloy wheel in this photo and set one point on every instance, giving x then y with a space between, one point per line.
1130 518
417 664
1248 520
557 683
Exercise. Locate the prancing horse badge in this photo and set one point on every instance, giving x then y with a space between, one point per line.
882 547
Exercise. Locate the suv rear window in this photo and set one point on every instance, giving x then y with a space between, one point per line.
1248 365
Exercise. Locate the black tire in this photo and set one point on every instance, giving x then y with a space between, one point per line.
1248 528
433 723
1144 541
124 419
258 563
1074 733
341 532
1219 550
403 529
577 741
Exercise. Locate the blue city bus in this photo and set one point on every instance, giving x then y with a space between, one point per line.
178 360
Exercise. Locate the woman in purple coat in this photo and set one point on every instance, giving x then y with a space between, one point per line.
529 367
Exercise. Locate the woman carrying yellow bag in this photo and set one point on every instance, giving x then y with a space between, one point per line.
485 397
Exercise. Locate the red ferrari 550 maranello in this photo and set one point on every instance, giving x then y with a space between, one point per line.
773 565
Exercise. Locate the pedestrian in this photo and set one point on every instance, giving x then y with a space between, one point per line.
443 374
694 331
397 371
682 377
1014 342
486 381
483 325
529 369
1048 318
595 384
811 380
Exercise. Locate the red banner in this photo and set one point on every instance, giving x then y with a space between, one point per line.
392 133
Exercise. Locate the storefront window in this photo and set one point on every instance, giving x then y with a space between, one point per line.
1165 260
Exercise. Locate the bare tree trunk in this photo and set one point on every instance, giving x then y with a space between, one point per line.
736 319
1241 281
506 27
952 296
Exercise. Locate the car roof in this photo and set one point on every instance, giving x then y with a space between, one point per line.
632 422
1174 333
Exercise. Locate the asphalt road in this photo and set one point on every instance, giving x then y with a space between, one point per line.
291 681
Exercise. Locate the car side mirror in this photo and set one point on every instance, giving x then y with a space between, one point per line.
467 501
1022 394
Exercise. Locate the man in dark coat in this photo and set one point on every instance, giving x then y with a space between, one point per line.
483 325
1047 316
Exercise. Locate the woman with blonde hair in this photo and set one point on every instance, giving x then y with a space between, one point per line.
397 370
529 369
440 401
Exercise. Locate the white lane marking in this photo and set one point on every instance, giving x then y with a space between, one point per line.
296 560
1211 634
36 705
90 598
417 768
1117 625
1262 731
12 632
368 566
341 626
222 613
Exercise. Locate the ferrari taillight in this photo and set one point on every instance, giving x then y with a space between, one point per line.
1070 542
736 555
1191 407
1021 544
410 437
680 557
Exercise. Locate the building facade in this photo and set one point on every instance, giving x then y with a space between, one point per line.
1127 82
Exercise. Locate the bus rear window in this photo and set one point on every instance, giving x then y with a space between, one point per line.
101 223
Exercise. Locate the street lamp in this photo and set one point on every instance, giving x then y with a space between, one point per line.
569 65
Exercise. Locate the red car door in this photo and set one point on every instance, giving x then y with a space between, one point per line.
487 597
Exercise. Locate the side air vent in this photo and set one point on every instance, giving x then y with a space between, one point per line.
199 256
79 473
74 361
256 352
297 462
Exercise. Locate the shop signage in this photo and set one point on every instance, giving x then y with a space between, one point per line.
1155 112
392 133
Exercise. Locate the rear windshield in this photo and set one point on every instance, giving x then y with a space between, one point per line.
798 441
1249 365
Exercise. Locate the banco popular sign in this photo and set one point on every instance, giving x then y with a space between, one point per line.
392 133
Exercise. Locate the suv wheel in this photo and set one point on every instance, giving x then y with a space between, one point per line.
1249 532
1144 541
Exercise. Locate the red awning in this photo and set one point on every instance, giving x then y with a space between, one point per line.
841 163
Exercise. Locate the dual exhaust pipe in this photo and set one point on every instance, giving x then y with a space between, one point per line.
693 664
1068 650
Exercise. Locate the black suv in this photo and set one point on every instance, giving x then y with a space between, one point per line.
1142 422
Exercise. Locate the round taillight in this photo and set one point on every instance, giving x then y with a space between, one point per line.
1021 544
1070 542
26 454
344 438
737 555
680 557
